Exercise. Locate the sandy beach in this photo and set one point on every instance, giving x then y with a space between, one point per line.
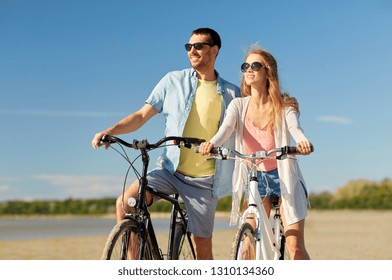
330 235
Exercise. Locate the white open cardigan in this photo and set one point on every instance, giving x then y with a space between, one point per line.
292 184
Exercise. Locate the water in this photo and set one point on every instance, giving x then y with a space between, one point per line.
32 228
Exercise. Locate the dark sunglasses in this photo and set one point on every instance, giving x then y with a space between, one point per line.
255 66
198 46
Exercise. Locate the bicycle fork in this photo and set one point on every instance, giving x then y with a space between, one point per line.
279 232
264 233
143 232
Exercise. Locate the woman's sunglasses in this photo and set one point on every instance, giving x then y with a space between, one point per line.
255 66
198 46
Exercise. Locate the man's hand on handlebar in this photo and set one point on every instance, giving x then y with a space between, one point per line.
96 142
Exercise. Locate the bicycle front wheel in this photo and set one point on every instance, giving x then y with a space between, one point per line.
284 252
244 245
124 242
183 247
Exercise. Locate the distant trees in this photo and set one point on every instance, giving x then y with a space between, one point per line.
356 194
50 207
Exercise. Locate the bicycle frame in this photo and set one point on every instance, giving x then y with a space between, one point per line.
146 226
141 214
177 213
267 243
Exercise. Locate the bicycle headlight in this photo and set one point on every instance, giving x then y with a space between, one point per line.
131 201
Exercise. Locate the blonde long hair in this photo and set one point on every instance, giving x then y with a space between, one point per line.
279 99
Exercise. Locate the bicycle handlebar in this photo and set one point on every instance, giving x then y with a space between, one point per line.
186 142
223 152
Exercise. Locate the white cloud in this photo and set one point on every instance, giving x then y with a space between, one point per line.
4 183
334 119
4 188
59 113
62 186
8 179
83 186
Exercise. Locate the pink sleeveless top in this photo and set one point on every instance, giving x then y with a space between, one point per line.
259 139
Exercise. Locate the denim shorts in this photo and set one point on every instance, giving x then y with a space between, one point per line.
270 189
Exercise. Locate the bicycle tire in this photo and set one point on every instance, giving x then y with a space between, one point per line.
284 252
116 247
245 235
183 247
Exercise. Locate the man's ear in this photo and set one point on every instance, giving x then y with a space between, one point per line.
215 50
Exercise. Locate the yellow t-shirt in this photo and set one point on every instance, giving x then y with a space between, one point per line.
203 122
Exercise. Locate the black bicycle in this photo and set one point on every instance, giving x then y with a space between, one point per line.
134 237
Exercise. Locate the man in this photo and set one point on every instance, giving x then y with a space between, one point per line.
193 102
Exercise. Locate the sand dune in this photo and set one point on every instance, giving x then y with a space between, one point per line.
330 235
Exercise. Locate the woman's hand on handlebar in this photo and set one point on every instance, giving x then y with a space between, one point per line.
305 147
205 148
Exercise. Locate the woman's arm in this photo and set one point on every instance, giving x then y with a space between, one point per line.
225 130
295 129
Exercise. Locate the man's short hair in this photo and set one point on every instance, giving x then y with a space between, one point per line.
215 38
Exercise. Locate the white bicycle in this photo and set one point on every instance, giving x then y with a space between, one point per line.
266 241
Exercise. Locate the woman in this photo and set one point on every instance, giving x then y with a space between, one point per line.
263 119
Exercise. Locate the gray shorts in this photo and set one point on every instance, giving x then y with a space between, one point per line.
196 193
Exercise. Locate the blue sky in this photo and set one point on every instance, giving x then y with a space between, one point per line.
69 69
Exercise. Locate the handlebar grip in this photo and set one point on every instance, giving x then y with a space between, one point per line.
196 141
214 150
107 139
113 139
294 150
187 142
291 150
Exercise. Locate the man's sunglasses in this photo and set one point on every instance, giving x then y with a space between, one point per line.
198 46
255 66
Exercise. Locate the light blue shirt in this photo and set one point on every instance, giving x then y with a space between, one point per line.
173 96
